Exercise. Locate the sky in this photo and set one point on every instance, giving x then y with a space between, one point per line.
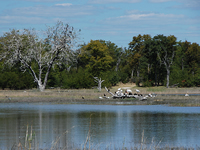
110 20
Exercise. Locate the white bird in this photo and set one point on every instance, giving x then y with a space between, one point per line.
186 94
100 97
137 91
141 98
150 95
129 91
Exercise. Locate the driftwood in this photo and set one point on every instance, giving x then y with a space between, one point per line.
125 95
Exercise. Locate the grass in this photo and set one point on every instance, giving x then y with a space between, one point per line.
69 94
85 95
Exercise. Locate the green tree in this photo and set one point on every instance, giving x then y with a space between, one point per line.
76 79
26 48
193 61
181 54
96 58
116 53
150 53
179 72
135 50
167 47
193 58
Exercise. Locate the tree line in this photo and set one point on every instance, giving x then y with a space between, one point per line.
26 61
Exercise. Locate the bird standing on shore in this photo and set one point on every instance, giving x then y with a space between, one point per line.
8 97
138 91
186 94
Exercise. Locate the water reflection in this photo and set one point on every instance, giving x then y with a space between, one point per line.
110 126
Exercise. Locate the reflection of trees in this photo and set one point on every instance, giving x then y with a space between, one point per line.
13 127
56 128
113 127
156 126
102 124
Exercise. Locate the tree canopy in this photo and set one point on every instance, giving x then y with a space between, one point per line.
54 61
39 56
95 55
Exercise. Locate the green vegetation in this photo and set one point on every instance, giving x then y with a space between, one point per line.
148 62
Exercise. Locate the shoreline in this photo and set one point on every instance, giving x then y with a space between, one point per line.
170 96
182 101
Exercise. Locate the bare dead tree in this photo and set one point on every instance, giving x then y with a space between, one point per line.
99 81
118 62
25 47
167 61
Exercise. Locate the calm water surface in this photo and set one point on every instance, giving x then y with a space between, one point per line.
110 126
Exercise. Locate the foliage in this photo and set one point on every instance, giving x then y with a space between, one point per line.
135 54
95 56
36 55
15 79
77 79
52 62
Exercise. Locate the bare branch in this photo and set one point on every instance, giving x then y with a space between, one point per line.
38 55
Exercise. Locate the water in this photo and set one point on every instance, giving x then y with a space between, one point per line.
109 126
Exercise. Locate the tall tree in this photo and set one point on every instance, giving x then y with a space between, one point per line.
182 48
135 50
166 53
193 58
96 57
116 53
150 53
39 56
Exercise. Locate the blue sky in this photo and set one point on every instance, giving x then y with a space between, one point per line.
111 20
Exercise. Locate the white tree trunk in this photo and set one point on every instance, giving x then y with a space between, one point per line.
132 71
26 48
167 61
41 87
99 81
168 74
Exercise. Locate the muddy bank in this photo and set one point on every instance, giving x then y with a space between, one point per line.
159 100
172 96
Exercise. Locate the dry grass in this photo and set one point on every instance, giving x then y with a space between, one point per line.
50 93
93 94
157 90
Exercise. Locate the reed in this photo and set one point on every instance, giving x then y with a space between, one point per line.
30 143
89 134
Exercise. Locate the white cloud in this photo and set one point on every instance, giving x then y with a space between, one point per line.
136 16
52 11
192 4
35 16
64 4
146 18
113 1
22 19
